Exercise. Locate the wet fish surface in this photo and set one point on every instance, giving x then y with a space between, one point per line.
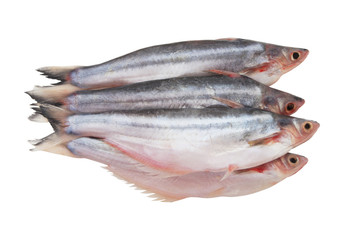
263 62
187 92
200 184
182 141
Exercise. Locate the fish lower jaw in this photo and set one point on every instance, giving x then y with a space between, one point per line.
301 141
256 156
267 78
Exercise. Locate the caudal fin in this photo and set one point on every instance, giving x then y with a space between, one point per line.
38 117
55 142
52 94
57 116
49 113
60 73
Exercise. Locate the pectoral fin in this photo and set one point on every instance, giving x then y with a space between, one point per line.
230 170
225 73
266 140
230 103
260 68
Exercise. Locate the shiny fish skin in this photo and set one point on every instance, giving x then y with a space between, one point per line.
261 61
189 92
200 184
189 140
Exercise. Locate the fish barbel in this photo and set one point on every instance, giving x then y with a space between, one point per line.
182 141
263 62
200 184
188 92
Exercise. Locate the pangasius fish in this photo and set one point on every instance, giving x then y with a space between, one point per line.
263 62
200 184
183 141
186 92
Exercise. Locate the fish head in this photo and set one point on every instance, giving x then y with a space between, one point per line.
288 57
289 164
283 59
281 102
275 61
297 129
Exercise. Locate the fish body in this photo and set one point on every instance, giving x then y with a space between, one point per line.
261 61
186 92
189 140
200 184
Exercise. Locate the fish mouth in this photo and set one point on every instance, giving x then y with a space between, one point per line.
298 104
304 161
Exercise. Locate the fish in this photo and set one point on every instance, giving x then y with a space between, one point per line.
200 184
224 89
183 141
263 62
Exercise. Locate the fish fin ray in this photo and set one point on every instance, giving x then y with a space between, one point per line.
58 73
141 157
61 149
227 39
145 190
52 94
37 117
228 102
265 140
57 118
225 73
55 115
230 170
51 141
260 68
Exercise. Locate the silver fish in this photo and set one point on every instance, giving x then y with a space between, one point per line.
263 62
182 141
200 184
187 92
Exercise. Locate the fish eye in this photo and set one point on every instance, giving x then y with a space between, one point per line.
289 107
295 56
307 126
293 160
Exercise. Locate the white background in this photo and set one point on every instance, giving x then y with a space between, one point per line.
46 196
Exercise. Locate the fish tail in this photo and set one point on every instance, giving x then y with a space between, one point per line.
59 73
49 113
37 117
55 142
56 116
52 94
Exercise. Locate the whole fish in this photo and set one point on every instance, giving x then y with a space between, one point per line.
188 92
263 62
200 184
182 141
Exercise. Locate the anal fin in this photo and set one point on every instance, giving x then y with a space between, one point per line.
143 158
